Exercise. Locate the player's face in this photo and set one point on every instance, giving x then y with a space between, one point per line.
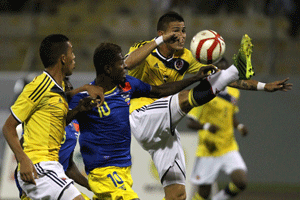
69 60
119 71
179 29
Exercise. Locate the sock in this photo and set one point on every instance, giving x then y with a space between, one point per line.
221 79
221 196
212 85
230 191
197 197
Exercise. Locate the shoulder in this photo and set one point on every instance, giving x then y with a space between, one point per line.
234 92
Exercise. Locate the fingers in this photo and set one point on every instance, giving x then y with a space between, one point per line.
29 177
100 101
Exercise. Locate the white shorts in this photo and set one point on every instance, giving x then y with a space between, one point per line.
206 169
153 126
51 183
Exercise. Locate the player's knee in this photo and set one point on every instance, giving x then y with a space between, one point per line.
177 194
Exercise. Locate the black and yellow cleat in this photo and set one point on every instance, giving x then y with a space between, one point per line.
242 60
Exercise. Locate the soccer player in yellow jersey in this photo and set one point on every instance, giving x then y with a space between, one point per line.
42 108
217 148
163 60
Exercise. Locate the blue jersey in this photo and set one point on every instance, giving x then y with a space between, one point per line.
105 131
68 144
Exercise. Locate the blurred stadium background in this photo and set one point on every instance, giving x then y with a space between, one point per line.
271 150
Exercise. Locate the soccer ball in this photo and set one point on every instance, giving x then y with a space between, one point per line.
207 47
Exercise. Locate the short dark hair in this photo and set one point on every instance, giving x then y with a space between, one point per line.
52 47
106 54
164 20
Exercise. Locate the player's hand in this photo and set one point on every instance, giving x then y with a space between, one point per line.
27 171
87 103
171 37
278 85
206 71
213 128
97 93
243 131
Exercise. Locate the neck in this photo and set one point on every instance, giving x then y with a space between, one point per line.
56 74
166 51
105 82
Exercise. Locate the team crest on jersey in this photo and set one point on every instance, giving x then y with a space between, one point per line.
127 87
178 64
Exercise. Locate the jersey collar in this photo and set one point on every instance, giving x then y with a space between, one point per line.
54 80
162 57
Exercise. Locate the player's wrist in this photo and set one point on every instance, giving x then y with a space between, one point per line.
240 127
159 40
206 126
261 86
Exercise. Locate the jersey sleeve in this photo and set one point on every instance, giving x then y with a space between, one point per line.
140 88
139 70
195 113
27 102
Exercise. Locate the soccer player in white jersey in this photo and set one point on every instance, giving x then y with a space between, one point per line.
42 108
163 60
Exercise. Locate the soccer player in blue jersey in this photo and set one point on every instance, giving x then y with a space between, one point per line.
42 108
106 131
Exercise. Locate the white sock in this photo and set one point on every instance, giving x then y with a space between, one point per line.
221 196
221 79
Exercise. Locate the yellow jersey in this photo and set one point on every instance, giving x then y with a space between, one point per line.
42 107
156 70
220 112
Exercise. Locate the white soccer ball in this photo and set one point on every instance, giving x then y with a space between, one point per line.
208 46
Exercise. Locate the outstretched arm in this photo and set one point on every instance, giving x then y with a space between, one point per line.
140 54
93 90
281 85
175 87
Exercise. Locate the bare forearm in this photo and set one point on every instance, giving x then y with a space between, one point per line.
71 93
139 55
13 141
172 87
245 84
74 173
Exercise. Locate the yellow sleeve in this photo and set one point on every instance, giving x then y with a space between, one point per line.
195 113
236 94
139 70
26 102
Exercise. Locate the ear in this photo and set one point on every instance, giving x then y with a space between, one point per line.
107 69
160 33
63 59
